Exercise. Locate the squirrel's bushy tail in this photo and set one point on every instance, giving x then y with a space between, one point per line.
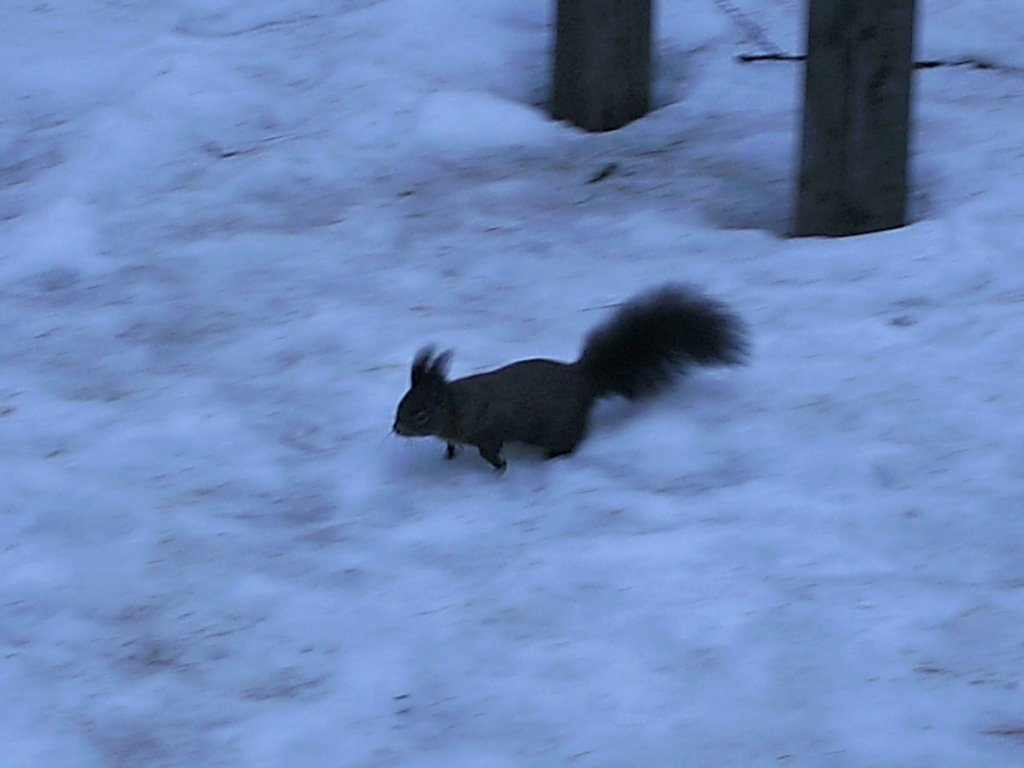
657 335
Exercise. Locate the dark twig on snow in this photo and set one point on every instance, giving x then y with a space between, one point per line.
972 63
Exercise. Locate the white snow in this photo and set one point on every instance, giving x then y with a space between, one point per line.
226 227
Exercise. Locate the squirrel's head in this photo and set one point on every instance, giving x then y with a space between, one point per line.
426 407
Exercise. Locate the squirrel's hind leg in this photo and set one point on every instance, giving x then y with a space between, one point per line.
555 453
567 442
561 450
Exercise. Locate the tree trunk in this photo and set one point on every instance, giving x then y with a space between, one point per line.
602 62
853 174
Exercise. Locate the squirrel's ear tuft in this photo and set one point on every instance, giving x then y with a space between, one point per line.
421 365
427 368
439 368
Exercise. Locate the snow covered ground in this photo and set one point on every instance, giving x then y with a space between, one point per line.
225 228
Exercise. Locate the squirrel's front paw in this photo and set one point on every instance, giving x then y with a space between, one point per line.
491 453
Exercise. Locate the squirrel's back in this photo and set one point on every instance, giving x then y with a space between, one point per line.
538 402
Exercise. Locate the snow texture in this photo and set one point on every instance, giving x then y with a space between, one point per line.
226 227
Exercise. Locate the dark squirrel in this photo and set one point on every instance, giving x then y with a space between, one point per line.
546 403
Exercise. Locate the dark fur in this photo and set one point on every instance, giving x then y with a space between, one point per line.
547 403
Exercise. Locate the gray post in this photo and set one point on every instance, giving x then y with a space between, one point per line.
602 62
853 170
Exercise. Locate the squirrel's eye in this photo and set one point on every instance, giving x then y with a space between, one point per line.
420 418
